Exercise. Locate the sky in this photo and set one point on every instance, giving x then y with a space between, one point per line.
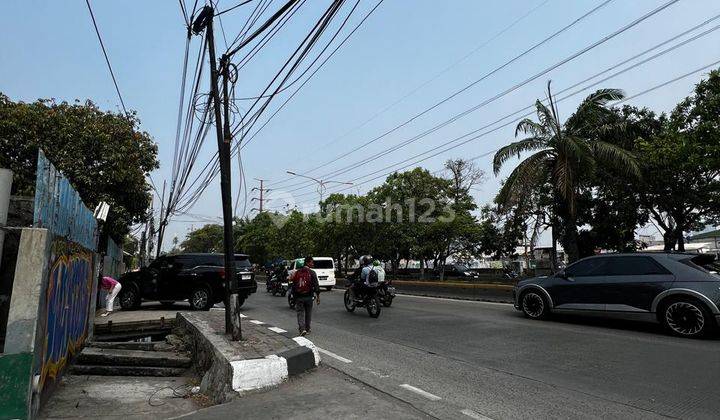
407 56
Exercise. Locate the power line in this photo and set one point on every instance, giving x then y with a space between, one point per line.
107 59
514 120
234 7
475 82
494 98
435 77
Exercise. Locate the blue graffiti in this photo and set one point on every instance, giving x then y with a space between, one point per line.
68 307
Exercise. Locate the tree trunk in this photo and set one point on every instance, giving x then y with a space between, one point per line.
422 268
553 248
680 239
570 242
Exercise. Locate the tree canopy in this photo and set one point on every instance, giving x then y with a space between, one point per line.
105 155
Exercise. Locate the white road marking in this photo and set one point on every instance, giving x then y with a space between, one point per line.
419 391
474 415
455 300
256 322
277 330
243 316
333 355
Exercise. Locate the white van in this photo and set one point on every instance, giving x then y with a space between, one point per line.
324 267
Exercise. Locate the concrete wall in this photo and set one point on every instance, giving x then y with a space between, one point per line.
51 313
21 348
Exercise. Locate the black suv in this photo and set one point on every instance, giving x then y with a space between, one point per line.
681 291
198 278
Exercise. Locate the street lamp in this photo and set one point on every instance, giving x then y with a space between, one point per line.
321 183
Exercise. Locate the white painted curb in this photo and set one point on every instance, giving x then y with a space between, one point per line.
258 373
309 344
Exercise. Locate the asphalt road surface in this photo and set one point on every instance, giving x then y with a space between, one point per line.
464 359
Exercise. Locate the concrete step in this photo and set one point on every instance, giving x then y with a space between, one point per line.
126 370
131 345
123 357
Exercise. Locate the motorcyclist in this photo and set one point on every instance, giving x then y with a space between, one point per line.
359 277
378 268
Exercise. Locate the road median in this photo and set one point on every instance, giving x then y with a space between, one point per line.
492 292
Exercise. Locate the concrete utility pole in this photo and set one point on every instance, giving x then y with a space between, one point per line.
6 177
262 190
232 314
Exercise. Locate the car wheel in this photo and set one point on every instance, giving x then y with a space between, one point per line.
686 317
329 288
201 298
534 305
129 298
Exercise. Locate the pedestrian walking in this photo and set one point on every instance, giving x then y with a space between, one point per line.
112 287
306 290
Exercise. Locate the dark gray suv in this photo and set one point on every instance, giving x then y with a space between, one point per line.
680 291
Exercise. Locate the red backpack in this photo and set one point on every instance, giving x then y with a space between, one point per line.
302 281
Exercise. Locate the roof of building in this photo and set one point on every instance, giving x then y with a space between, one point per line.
706 235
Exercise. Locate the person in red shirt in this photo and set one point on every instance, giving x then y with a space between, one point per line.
112 287
306 289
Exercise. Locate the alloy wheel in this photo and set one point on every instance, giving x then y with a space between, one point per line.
533 305
128 299
685 318
200 298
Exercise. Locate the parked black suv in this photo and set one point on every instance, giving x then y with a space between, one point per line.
198 278
681 291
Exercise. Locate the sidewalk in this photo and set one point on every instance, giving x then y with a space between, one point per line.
322 394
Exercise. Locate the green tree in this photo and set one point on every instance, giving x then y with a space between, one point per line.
682 186
565 156
208 238
105 155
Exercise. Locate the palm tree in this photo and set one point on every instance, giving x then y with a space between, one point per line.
565 155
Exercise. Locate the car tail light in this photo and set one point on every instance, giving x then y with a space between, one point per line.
222 273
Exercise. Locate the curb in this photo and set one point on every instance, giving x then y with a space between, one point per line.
224 377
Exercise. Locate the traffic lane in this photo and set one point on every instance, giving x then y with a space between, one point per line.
636 367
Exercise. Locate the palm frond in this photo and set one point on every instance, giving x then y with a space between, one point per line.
528 126
515 149
601 97
616 157
528 175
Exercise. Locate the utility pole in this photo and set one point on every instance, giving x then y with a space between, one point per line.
322 183
262 190
232 314
161 228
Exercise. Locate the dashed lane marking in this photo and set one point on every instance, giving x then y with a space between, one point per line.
419 391
243 316
474 415
256 322
277 330
333 355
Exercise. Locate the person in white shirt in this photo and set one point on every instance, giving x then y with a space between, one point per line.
377 267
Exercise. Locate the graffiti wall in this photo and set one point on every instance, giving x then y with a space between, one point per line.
68 299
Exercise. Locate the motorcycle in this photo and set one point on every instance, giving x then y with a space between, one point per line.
290 295
277 287
368 299
386 293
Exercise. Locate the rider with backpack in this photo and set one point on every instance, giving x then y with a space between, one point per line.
306 289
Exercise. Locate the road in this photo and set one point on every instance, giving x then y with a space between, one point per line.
465 359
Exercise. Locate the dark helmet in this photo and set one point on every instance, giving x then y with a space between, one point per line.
366 260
